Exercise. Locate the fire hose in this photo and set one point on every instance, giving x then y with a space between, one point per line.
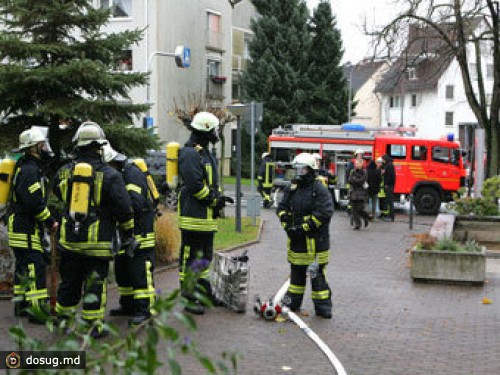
270 309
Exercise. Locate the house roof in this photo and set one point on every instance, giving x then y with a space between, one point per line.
427 54
362 72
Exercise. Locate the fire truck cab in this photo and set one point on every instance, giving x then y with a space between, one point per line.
431 170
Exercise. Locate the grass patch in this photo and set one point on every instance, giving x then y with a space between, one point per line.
227 237
168 235
231 180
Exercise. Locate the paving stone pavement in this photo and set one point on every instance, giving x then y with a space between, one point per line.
383 322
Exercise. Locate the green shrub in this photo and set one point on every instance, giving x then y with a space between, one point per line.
483 206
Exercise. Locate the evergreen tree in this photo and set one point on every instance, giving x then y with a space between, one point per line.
327 103
277 73
60 68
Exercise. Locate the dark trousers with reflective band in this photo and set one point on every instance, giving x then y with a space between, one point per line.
265 193
389 193
30 278
82 271
321 294
134 277
197 249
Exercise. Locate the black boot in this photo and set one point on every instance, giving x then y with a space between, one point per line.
122 311
323 313
99 333
20 308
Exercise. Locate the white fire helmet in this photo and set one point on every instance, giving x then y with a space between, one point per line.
110 154
89 132
204 121
305 159
30 137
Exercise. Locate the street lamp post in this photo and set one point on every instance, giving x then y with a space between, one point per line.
238 110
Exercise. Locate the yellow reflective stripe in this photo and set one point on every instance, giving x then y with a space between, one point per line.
323 257
205 274
281 213
34 187
323 294
203 193
19 289
125 291
316 221
300 259
65 310
208 168
202 225
99 177
93 314
36 294
297 289
134 188
127 225
44 215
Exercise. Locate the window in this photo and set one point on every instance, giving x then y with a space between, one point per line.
413 100
125 61
450 91
489 71
213 29
213 67
396 151
444 155
448 121
394 102
120 8
419 153
411 73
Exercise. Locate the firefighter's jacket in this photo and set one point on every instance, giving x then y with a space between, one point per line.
28 210
200 190
110 203
310 208
142 203
266 173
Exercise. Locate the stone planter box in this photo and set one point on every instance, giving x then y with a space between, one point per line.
448 266
484 229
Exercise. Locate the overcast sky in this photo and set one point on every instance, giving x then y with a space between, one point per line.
350 15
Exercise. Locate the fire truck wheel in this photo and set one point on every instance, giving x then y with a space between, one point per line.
427 201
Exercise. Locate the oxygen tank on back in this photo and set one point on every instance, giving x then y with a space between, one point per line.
173 164
80 192
7 167
141 164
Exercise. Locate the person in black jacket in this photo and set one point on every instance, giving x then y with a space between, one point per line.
373 178
134 271
265 179
86 241
358 194
26 223
389 176
305 212
200 201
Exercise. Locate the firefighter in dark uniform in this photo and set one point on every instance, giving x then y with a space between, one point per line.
265 179
134 271
26 222
305 212
389 178
199 204
85 244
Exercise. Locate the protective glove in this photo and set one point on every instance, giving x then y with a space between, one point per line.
309 225
129 244
295 231
286 220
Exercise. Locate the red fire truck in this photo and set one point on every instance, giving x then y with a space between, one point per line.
431 170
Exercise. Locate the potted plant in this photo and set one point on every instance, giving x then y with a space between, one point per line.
445 259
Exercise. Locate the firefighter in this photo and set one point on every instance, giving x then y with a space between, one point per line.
265 179
305 212
200 202
358 194
389 177
134 272
95 200
27 219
